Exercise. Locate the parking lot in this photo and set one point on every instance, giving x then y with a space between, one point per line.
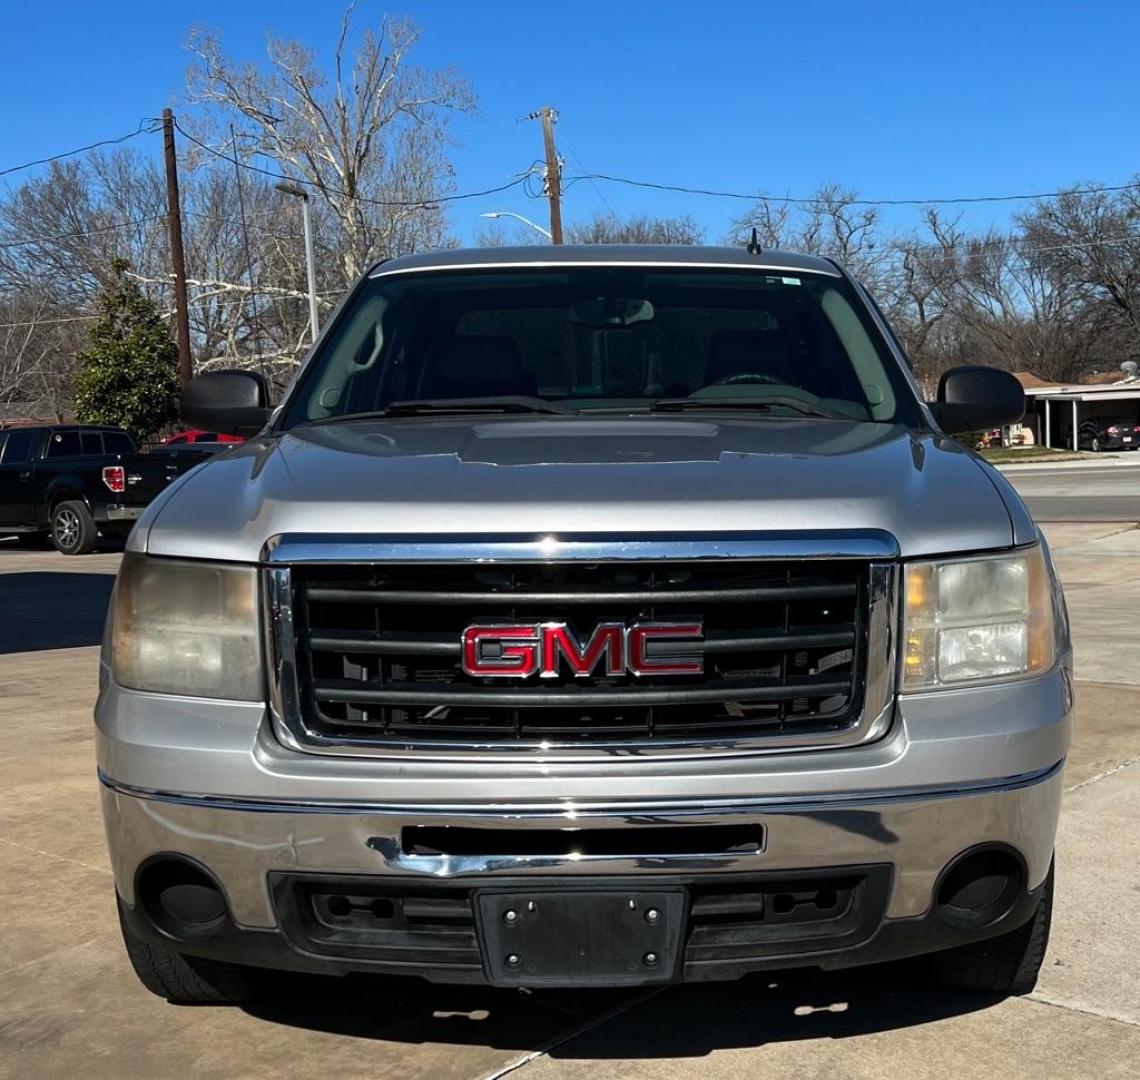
70 1005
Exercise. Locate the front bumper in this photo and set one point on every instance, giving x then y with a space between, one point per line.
889 849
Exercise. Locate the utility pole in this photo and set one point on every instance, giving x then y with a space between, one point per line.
177 255
553 173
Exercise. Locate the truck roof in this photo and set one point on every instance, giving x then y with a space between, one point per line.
554 255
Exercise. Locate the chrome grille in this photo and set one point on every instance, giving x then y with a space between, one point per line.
375 658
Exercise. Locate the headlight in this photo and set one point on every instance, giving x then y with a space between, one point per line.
974 620
187 628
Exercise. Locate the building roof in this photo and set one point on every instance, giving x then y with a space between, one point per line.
1028 380
550 255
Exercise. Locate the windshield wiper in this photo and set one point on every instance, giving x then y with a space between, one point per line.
763 404
505 403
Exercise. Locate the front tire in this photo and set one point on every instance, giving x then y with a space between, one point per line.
1004 965
1096 445
73 529
185 980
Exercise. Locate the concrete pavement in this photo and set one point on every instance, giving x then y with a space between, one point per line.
69 1004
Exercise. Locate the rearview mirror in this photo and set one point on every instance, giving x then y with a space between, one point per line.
605 312
977 398
232 402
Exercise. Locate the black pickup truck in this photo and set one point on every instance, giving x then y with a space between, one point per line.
71 483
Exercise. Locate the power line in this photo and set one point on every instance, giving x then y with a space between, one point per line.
425 202
47 322
137 223
146 127
816 201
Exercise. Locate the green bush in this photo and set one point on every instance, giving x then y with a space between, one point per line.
128 375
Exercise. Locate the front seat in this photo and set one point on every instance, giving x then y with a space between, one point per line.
765 352
478 365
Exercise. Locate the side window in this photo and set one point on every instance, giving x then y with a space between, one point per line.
91 442
18 448
63 444
118 442
206 436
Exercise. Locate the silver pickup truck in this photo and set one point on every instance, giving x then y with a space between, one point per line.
588 616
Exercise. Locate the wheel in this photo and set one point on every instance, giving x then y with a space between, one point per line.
1008 964
34 541
185 980
73 530
1096 445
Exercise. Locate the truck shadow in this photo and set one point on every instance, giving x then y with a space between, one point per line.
676 1022
43 609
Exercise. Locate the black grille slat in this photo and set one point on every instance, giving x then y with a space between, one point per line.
385 644
379 651
322 594
526 697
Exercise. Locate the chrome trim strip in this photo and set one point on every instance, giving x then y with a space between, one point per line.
398 861
566 264
292 548
879 672
659 811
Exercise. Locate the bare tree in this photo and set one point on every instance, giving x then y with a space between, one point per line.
37 343
371 142
832 223
638 229
1091 240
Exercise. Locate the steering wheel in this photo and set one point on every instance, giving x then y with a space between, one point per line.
748 377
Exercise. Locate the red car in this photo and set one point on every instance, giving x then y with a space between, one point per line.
197 435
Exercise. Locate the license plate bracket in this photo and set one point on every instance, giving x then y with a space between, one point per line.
580 937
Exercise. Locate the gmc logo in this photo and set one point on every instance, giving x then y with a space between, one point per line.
519 650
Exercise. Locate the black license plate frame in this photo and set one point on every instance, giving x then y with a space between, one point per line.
581 937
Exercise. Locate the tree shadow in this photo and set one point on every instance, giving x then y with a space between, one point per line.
43 609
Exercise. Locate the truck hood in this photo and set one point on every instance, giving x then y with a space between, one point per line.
554 475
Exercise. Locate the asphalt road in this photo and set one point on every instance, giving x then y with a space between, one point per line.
1111 493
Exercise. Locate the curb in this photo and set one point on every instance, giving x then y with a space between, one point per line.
1123 461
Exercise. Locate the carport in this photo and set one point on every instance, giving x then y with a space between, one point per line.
1058 410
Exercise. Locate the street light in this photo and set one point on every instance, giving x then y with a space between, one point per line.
310 267
518 217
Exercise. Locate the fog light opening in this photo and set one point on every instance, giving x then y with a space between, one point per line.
980 887
182 900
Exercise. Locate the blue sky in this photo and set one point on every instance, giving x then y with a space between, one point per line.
893 99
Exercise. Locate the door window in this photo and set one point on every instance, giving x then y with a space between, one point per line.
63 444
18 448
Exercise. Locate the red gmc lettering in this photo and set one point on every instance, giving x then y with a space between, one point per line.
559 642
640 663
611 649
517 652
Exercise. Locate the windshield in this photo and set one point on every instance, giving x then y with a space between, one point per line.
606 339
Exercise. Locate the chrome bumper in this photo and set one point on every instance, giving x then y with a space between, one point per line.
917 832
120 513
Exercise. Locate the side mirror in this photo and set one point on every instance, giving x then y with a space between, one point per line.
977 398
232 402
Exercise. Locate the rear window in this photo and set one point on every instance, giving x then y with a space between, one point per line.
63 444
91 442
118 442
